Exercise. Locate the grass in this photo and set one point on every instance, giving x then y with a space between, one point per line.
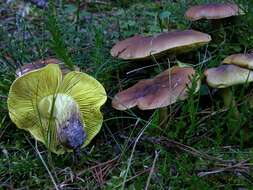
205 147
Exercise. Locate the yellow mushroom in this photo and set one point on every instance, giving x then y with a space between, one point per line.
61 112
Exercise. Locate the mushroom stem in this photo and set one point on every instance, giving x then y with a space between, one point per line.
163 117
216 23
229 101
219 33
77 155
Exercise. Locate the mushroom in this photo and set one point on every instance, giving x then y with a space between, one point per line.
61 112
227 75
240 59
42 63
141 47
216 12
212 11
163 90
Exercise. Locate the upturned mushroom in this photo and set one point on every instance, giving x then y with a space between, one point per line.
165 89
144 47
61 112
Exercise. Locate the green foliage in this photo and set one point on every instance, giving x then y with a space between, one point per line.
57 43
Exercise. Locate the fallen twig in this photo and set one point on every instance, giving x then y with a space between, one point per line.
100 173
3 97
95 169
228 168
137 175
238 167
168 143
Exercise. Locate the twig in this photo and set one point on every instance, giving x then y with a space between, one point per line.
92 168
98 2
100 173
141 68
131 178
98 165
3 97
168 143
235 166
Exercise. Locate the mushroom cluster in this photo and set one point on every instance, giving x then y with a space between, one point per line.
235 68
172 84
167 87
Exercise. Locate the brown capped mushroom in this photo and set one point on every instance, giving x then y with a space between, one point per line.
227 75
161 91
42 63
144 47
212 11
240 59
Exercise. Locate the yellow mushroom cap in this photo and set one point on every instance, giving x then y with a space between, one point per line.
227 75
31 96
144 47
212 11
163 90
240 59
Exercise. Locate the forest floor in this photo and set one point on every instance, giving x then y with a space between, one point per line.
203 145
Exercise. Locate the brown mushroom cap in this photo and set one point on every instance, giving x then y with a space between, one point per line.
227 75
212 11
240 59
42 63
163 90
143 47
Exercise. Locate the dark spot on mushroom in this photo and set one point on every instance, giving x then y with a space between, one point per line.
71 134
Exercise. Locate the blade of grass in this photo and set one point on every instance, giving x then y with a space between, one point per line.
57 42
